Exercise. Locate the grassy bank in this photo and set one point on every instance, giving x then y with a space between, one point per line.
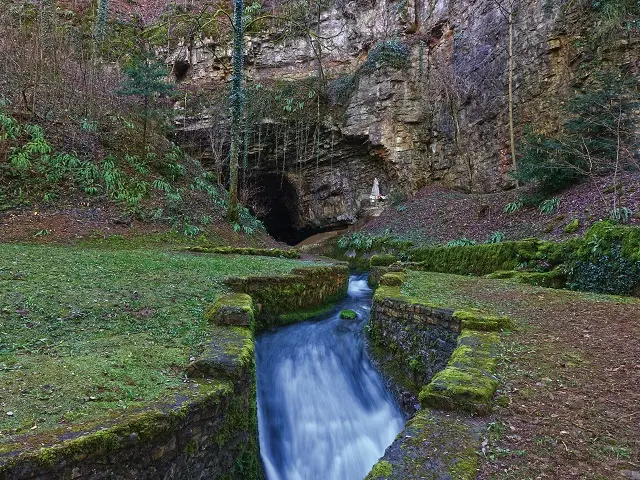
567 405
84 331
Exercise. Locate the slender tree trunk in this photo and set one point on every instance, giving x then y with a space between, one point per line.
512 135
237 107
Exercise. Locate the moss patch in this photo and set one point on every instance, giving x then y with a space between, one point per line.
383 260
348 314
573 226
477 320
231 309
393 279
382 469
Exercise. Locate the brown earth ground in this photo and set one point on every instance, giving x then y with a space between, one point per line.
71 224
437 214
570 372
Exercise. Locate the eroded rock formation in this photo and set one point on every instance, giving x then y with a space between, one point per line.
445 118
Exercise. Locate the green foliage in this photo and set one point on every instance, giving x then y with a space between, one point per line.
145 79
621 215
612 16
340 89
461 242
496 237
607 260
392 53
549 206
597 136
357 241
513 206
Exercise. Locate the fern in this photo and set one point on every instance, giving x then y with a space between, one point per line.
513 206
496 237
549 206
461 242
621 215
162 185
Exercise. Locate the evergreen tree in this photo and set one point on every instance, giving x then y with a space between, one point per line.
237 108
146 80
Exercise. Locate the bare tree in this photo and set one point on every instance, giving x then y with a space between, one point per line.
508 9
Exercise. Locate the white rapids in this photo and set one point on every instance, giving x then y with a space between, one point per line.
324 411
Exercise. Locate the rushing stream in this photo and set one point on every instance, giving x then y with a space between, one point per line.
323 409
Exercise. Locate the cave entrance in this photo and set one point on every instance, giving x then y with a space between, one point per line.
277 197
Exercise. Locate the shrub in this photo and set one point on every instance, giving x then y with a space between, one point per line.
392 53
607 260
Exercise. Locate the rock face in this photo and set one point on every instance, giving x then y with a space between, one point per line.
445 118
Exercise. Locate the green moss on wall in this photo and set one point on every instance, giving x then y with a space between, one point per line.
382 469
382 260
393 279
468 382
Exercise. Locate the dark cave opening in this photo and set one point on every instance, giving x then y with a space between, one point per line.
180 69
278 199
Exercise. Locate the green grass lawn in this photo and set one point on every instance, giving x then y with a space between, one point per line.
84 331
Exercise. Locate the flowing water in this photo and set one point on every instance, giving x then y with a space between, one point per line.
323 409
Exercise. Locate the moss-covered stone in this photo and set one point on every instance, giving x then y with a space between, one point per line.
468 382
573 226
380 470
382 260
348 314
231 309
477 320
393 279
434 446
283 299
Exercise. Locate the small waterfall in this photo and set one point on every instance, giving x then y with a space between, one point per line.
323 409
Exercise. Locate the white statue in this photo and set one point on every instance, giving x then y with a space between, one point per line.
375 191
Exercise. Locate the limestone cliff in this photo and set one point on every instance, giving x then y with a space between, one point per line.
442 119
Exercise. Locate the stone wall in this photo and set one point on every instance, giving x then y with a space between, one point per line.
207 431
289 298
411 341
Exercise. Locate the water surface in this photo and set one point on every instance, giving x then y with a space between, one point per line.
323 410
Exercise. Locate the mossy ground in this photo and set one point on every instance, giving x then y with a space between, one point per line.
88 332
567 404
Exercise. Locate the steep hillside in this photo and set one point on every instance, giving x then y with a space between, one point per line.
437 215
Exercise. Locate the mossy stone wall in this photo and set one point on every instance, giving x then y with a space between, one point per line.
209 430
476 259
411 341
289 298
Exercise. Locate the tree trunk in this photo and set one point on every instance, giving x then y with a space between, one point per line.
512 135
237 107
